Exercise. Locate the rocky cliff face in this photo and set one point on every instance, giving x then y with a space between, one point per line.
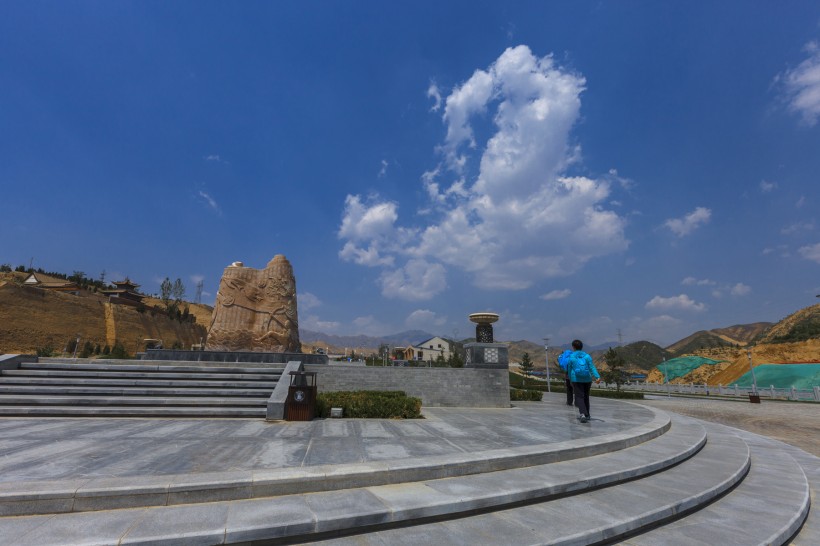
32 319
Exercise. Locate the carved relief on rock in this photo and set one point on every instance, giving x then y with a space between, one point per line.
256 309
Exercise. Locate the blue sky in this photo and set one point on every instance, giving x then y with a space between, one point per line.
579 168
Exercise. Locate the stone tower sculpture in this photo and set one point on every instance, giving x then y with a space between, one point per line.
256 309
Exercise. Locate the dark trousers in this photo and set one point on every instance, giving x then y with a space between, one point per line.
568 384
581 391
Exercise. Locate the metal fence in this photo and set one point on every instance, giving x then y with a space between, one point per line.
720 390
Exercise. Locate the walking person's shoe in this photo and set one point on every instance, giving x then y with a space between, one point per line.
584 419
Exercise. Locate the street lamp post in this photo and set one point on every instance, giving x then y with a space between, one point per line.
547 357
666 377
751 368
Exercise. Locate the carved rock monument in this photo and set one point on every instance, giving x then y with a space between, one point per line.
256 309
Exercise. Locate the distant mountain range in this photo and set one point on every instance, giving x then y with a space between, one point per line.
402 339
642 355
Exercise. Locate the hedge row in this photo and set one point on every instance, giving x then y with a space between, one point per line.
525 395
370 404
627 395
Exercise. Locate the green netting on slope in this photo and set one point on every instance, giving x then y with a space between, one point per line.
678 367
783 376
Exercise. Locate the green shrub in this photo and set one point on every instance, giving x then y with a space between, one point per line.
118 351
628 395
370 404
518 382
48 350
517 395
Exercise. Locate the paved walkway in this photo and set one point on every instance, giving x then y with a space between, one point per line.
69 448
794 423
66 448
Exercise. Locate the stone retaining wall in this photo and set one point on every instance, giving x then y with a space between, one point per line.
448 387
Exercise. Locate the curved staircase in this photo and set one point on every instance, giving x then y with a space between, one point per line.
671 480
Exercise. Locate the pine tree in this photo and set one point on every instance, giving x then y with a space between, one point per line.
526 364
616 364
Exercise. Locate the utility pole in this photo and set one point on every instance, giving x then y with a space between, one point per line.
199 286
620 338
547 357
751 368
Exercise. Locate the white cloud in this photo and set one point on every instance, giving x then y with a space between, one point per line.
800 202
692 281
690 222
308 301
212 157
383 170
798 227
680 303
660 327
362 222
740 289
312 322
364 256
557 294
802 86
419 280
196 279
766 187
519 208
424 319
210 201
811 252
434 93
371 326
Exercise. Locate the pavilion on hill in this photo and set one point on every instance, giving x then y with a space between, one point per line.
125 293
47 282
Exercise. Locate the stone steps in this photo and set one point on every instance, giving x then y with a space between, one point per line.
150 389
191 382
125 411
643 449
88 374
56 390
694 476
719 496
169 366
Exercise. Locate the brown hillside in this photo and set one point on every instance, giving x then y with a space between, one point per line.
737 361
32 318
775 353
800 325
743 333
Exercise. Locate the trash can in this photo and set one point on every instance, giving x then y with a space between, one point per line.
300 404
754 398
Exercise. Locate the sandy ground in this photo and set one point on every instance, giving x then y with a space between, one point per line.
796 423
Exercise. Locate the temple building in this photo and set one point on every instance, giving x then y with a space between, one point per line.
125 293
47 282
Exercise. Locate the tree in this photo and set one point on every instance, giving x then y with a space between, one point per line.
118 351
526 365
165 291
178 290
456 361
88 350
616 364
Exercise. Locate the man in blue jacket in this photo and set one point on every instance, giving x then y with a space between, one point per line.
581 371
563 360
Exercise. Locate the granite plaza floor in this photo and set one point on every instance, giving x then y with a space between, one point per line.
41 454
70 448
